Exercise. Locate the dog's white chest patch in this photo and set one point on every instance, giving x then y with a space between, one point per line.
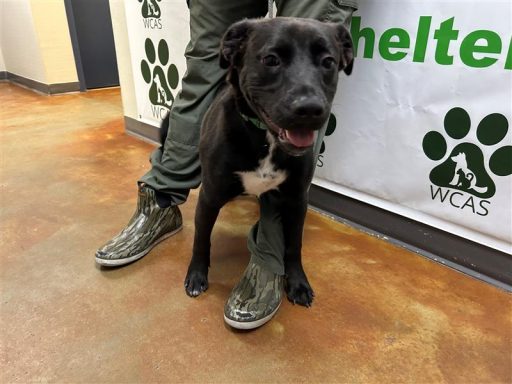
265 177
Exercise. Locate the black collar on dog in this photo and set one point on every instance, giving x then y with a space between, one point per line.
254 121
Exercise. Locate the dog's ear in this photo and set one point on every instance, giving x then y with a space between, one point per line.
346 49
233 42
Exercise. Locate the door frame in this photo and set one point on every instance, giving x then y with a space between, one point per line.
74 42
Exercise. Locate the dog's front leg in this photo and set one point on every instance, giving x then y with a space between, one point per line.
207 211
298 289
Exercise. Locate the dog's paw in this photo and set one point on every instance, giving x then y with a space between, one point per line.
299 291
196 283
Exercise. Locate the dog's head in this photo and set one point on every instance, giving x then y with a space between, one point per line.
287 70
459 157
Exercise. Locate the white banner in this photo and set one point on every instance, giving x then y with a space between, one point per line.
158 32
422 128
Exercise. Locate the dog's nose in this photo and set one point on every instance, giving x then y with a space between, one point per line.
308 108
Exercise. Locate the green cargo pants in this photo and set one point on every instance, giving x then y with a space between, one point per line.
175 167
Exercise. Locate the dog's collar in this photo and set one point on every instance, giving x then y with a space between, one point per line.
254 121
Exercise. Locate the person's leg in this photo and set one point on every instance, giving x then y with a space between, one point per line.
175 166
335 11
266 238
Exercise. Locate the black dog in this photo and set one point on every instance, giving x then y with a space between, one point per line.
282 75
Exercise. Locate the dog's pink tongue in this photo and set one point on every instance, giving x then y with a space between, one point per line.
300 137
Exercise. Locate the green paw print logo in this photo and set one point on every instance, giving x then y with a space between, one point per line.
150 8
161 81
331 127
465 167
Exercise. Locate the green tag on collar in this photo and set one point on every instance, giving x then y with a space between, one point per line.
254 121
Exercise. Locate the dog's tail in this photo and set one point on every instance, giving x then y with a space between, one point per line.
164 129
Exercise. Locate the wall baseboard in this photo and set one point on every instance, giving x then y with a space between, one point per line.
146 132
48 89
466 256
3 75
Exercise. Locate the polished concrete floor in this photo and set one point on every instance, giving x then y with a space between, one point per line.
68 173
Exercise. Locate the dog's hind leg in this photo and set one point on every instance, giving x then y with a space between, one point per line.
196 281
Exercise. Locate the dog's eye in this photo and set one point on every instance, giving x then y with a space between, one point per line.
328 62
271 61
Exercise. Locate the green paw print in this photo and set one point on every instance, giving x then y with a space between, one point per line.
150 8
331 127
153 73
465 167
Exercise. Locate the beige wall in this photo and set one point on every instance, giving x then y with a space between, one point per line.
35 42
52 33
2 63
123 58
20 46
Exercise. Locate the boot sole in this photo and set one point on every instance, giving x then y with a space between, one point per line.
131 259
246 325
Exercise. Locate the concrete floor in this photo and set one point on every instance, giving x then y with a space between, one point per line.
68 173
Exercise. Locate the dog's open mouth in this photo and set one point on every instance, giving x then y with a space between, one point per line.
300 138
295 142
